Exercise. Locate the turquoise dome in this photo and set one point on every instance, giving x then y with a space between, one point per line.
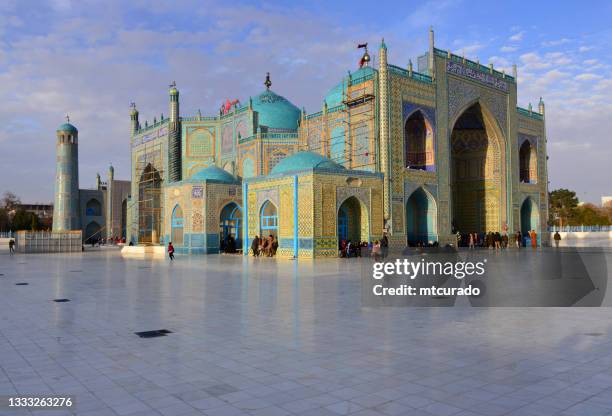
335 96
214 173
276 112
304 161
67 127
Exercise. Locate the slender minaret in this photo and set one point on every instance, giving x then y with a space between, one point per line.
110 229
174 137
133 119
66 208
541 106
430 56
383 96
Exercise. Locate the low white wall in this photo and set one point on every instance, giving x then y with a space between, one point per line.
584 238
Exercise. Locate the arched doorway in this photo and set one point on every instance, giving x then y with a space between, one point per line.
149 206
177 225
231 223
419 142
420 218
528 163
530 217
352 221
93 208
268 220
92 232
478 185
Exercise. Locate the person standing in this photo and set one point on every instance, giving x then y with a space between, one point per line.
170 251
557 238
534 239
519 239
11 246
471 241
255 246
384 245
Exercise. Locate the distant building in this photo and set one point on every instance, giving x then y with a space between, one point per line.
99 212
44 212
606 200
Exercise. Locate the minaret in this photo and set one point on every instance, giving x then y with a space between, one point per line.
383 96
541 107
66 208
133 119
174 137
110 231
430 64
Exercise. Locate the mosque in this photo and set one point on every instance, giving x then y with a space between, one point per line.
417 154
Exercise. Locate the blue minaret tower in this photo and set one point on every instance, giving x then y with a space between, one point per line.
66 208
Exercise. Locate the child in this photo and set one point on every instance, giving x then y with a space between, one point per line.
170 251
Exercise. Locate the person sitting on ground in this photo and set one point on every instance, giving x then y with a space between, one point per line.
274 246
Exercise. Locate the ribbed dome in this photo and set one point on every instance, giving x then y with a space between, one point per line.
276 112
214 173
67 127
304 161
335 96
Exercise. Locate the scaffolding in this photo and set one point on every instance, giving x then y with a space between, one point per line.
148 201
359 138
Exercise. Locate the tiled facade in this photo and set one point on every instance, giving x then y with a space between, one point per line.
427 154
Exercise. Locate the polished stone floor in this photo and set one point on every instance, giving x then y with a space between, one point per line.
267 337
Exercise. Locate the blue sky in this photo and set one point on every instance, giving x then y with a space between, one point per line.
90 59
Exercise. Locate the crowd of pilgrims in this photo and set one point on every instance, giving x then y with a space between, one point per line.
497 240
264 247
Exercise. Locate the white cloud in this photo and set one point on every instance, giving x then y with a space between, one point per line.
517 36
585 48
508 48
557 42
587 77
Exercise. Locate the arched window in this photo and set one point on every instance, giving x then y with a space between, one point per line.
178 223
93 208
419 145
268 220
528 163
337 145
248 168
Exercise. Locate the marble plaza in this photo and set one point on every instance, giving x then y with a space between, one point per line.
252 336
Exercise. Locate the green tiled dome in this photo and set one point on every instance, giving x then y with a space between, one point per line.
305 161
276 112
67 127
214 173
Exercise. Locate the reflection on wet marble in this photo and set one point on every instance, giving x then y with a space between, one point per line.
267 337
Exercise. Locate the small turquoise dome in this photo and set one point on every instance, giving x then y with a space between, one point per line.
67 127
335 96
276 112
304 161
214 173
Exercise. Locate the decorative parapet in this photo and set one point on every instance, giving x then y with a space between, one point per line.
471 64
530 114
417 76
313 115
152 126
269 136
200 118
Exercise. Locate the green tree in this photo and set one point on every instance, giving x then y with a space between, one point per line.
589 214
23 220
562 206
5 223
